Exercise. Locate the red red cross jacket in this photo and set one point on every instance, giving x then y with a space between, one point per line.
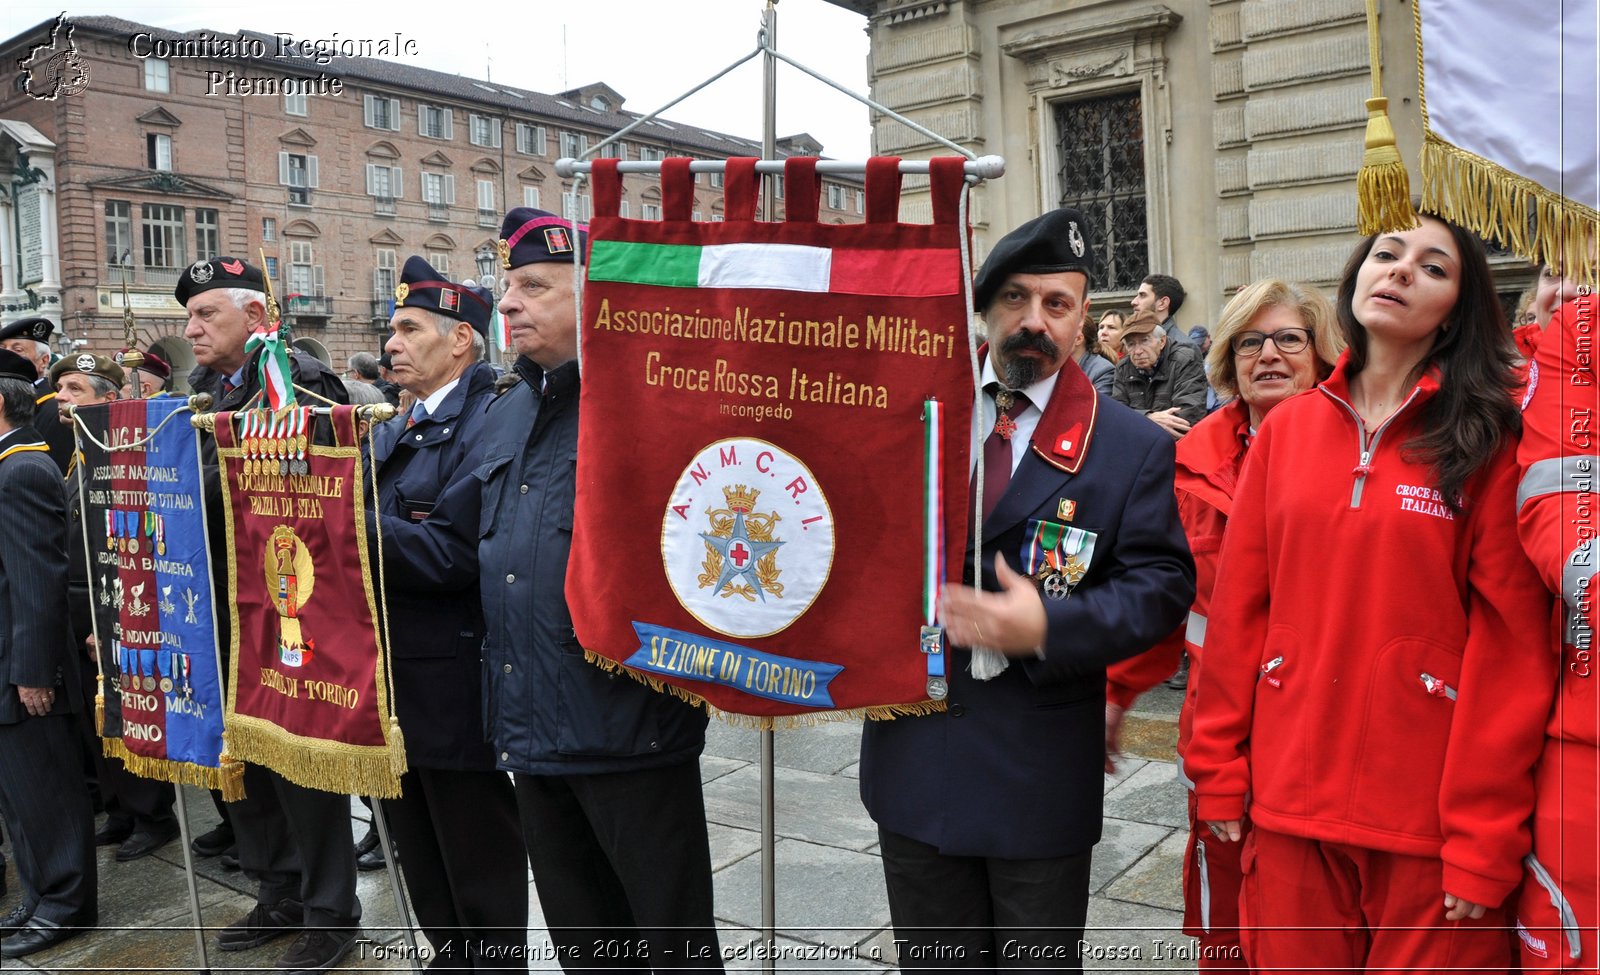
1381 656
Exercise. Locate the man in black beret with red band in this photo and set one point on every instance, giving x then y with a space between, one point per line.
988 811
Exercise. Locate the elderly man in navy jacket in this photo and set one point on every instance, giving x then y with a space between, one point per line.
456 819
607 771
988 811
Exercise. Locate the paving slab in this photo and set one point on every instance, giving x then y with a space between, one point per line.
1149 881
1150 795
1124 937
823 809
1122 844
823 895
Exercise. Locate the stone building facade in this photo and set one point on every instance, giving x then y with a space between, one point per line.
153 162
1214 140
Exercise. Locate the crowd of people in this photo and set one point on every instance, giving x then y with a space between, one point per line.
1345 527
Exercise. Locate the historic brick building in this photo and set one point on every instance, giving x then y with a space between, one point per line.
159 149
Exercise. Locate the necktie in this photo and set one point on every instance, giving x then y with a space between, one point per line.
997 449
418 412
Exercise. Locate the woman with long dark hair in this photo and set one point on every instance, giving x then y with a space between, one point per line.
1378 666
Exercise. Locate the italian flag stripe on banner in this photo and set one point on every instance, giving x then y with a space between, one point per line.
778 267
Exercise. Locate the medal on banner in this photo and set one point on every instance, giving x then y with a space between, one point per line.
1057 556
164 671
297 446
246 443
111 531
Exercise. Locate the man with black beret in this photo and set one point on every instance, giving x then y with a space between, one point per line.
43 797
293 841
988 811
30 338
606 770
455 824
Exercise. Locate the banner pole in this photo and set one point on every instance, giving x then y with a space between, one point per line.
406 932
769 150
188 874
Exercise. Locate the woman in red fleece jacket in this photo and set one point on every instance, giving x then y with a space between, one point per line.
1304 342
1378 667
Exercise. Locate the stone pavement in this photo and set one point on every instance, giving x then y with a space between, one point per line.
831 911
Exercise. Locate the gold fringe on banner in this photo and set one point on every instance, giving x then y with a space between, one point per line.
363 770
1383 187
178 773
1534 222
883 712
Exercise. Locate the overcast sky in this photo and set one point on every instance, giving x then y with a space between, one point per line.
650 51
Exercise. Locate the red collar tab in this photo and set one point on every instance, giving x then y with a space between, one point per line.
1067 427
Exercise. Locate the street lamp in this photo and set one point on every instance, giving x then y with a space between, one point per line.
487 257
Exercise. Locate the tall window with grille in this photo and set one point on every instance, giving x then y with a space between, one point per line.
206 234
383 282
1100 149
163 235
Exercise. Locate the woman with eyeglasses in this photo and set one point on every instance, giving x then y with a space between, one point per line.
1274 339
1378 664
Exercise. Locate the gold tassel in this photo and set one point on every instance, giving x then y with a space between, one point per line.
1383 187
397 748
232 778
100 713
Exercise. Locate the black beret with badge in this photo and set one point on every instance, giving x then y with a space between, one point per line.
528 236
423 287
1055 242
219 272
90 365
38 329
13 366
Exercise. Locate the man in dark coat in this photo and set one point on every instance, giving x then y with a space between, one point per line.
988 810
43 798
139 817
1161 379
606 769
294 842
456 818
30 338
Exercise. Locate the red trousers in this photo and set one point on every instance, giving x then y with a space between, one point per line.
1211 879
1314 906
1559 909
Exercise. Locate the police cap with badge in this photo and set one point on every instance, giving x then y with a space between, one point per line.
219 272
37 329
528 236
1049 244
423 287
90 365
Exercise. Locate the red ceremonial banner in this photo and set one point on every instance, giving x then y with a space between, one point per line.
750 520
308 695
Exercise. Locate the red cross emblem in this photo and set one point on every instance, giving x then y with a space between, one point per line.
739 554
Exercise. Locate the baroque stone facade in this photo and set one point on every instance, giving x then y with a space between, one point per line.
1251 112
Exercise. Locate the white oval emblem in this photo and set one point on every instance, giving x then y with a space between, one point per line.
747 538
85 363
200 272
1075 238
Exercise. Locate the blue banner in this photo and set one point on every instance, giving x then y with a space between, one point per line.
690 656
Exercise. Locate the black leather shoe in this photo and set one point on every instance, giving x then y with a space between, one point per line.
37 936
367 843
262 924
230 858
145 842
14 921
213 842
373 859
112 833
318 950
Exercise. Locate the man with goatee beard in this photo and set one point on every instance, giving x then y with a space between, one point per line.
988 810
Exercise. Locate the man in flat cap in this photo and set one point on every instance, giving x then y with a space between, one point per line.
139 817
988 810
455 822
1162 379
293 841
30 338
43 797
606 770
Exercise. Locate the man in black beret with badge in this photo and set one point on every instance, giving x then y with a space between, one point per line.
606 770
293 841
43 797
30 338
988 811
455 823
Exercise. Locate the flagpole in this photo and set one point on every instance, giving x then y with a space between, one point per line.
188 869
769 151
